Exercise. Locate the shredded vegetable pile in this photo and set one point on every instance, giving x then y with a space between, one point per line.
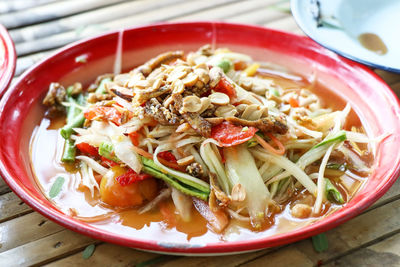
211 130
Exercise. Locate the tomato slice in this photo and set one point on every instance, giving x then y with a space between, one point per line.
167 155
130 177
134 136
239 65
225 87
107 162
228 134
106 113
87 149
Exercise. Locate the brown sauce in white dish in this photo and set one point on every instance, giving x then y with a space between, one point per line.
373 42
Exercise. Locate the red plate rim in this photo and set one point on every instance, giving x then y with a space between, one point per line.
230 247
7 67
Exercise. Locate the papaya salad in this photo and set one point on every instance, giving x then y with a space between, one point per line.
216 134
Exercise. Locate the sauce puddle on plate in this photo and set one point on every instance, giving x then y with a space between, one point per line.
373 43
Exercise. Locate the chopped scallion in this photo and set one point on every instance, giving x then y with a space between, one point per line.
107 150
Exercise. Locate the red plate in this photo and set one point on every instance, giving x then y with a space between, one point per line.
7 60
370 97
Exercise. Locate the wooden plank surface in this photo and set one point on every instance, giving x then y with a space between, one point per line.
39 27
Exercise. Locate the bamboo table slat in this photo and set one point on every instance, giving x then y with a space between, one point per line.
39 27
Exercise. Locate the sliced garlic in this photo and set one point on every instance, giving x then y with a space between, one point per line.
238 193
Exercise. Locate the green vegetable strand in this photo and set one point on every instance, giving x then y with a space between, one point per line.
332 193
338 137
320 242
185 186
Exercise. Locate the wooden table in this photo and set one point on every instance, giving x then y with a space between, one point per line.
27 238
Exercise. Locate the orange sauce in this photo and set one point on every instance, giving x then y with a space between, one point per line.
46 148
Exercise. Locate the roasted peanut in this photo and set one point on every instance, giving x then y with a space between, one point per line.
191 104
219 98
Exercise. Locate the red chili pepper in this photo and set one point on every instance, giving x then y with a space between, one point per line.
221 152
134 136
225 87
167 155
228 134
107 162
106 113
87 149
293 102
130 177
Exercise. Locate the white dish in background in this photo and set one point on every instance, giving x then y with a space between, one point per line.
343 21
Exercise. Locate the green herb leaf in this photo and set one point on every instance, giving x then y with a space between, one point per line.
88 252
320 242
274 91
225 65
332 193
56 187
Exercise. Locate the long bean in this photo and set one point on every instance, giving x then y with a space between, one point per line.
74 119
69 151
67 130
75 116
